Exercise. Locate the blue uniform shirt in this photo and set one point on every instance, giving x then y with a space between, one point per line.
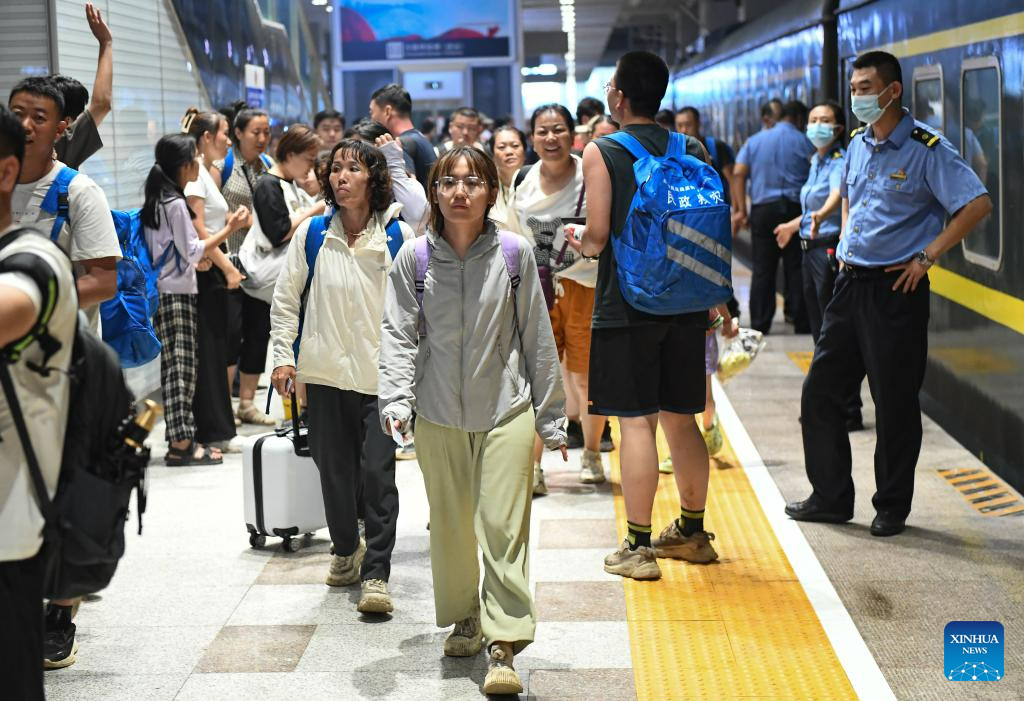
779 159
826 175
900 191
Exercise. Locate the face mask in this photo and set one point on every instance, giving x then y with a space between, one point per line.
865 107
821 135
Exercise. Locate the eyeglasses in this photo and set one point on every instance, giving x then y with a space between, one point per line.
608 87
447 185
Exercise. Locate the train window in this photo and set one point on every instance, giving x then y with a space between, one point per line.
928 104
981 146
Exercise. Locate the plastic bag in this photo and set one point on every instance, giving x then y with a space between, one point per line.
740 353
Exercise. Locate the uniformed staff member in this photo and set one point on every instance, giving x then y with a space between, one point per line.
821 211
901 180
777 161
819 223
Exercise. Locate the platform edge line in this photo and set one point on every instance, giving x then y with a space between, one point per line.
859 664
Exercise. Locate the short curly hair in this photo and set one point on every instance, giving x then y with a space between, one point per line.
378 185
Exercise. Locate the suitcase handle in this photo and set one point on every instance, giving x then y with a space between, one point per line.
300 441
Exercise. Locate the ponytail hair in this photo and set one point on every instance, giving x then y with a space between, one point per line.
173 152
196 123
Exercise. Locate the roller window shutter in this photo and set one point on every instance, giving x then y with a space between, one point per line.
24 36
154 83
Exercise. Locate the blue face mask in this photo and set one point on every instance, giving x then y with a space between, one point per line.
820 134
865 107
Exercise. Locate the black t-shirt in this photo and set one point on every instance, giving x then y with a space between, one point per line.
422 152
271 208
610 309
79 141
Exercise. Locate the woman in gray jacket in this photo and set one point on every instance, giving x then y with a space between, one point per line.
467 344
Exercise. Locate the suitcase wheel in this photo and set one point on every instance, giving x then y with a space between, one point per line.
292 545
257 541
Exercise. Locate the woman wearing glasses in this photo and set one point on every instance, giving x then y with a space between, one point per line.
464 344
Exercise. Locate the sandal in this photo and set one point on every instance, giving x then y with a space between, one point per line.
182 457
250 414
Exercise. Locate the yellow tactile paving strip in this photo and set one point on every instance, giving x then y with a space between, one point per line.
741 628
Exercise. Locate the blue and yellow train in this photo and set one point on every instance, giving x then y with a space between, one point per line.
963 68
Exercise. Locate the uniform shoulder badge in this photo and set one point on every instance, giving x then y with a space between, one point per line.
925 137
856 131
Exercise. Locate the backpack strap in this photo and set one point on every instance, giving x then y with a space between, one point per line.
229 165
51 529
520 175
631 144
712 147
422 247
394 236
510 252
43 277
676 146
315 236
56 200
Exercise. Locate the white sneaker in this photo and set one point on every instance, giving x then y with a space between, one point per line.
591 470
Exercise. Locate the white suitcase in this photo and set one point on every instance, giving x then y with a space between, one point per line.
281 486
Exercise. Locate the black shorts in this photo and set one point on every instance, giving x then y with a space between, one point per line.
641 370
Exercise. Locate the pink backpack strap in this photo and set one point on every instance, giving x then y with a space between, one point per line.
422 248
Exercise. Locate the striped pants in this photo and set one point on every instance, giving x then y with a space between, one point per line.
176 324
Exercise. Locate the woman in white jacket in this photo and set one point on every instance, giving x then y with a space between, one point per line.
466 343
337 308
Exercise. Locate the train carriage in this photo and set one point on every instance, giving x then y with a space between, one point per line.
963 67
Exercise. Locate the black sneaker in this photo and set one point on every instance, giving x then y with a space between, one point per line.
59 644
574 435
607 444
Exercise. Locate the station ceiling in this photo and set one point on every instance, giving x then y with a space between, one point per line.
607 28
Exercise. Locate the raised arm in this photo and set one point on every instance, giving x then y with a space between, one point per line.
103 87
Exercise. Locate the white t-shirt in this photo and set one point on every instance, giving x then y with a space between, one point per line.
44 403
91 231
215 207
538 217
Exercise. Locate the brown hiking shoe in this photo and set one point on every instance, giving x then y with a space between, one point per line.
635 564
466 639
695 548
501 677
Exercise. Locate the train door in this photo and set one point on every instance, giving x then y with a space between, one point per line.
928 98
981 145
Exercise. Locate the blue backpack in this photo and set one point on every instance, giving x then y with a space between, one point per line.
128 316
318 227
674 254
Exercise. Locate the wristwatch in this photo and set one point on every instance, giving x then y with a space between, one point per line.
922 258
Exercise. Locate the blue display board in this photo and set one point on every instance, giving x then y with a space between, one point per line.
383 30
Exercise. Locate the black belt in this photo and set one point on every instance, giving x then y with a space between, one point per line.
811 244
862 272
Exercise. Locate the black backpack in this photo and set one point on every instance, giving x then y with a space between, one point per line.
84 532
